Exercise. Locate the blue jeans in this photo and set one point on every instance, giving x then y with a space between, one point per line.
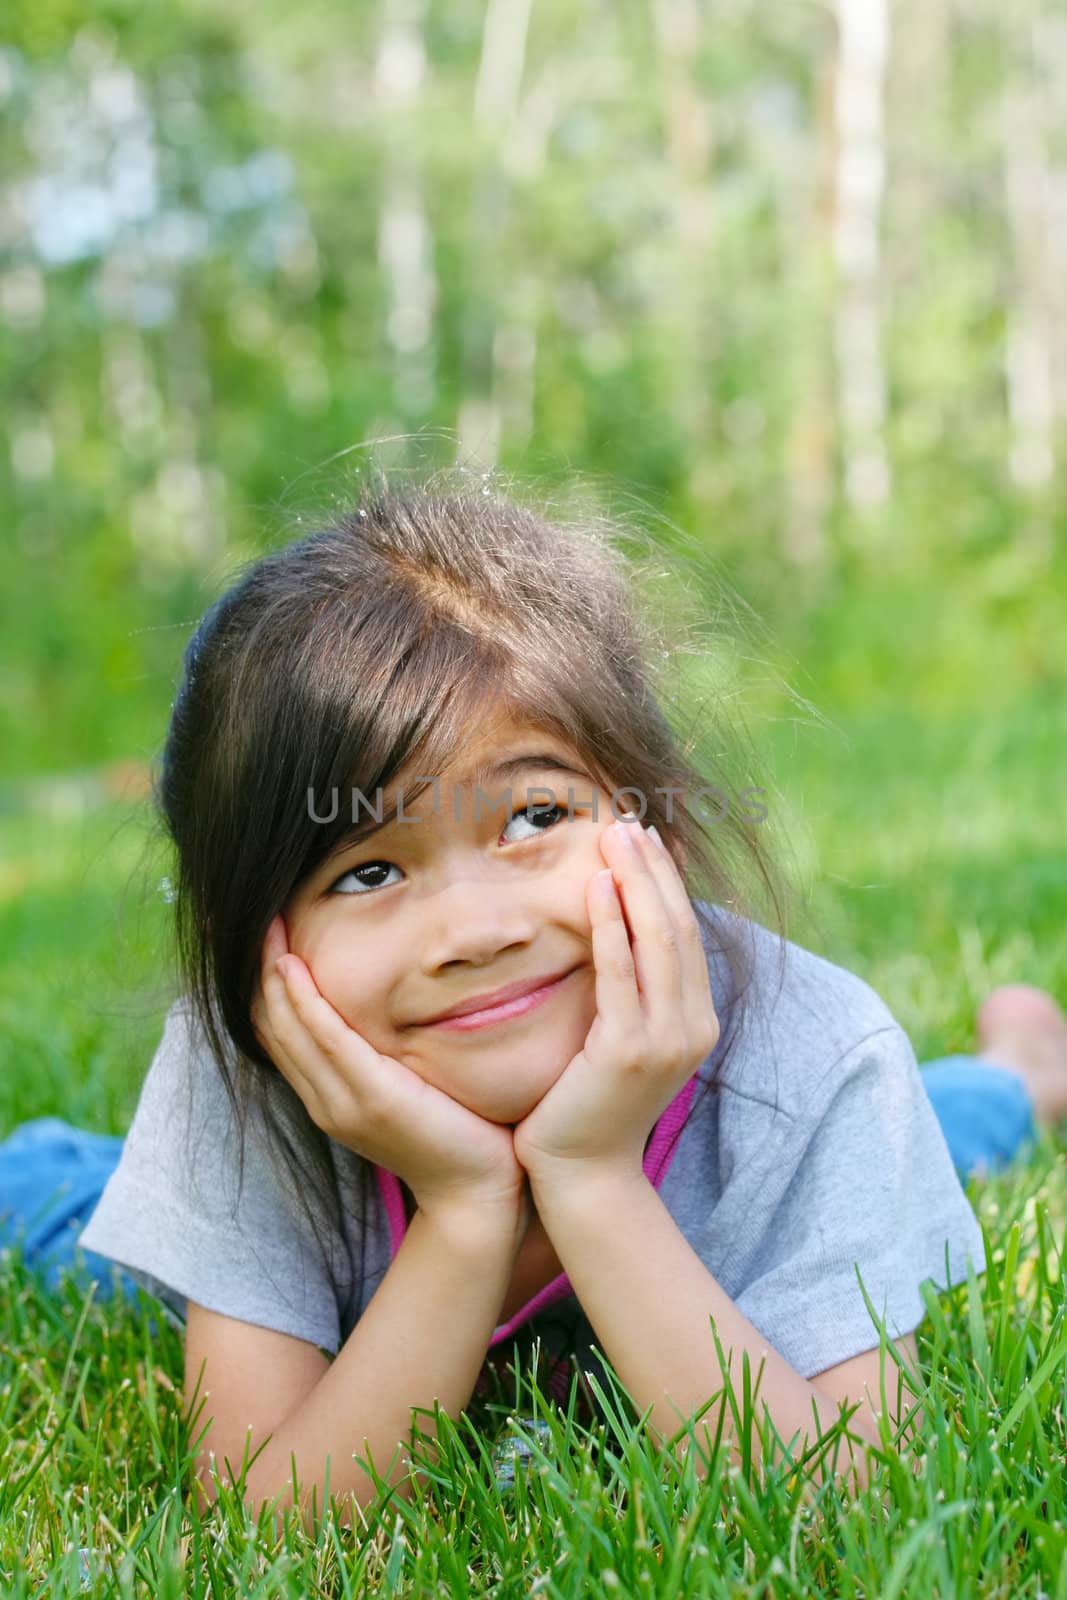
52 1174
51 1177
985 1112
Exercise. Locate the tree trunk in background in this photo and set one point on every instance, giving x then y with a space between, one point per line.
405 239
807 222
496 108
863 43
1029 340
500 341
500 68
916 271
1050 53
680 31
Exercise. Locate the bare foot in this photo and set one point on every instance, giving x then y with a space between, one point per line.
1023 1028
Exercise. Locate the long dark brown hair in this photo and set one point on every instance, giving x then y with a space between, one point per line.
376 644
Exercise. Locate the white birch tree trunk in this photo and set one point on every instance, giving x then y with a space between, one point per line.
405 239
501 65
806 210
507 402
1050 52
690 240
863 47
1029 341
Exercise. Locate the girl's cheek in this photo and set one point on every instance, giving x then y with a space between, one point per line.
332 974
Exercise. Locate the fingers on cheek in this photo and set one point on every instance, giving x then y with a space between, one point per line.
264 1033
265 1002
277 1017
281 1055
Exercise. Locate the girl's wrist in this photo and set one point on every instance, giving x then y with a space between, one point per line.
480 1215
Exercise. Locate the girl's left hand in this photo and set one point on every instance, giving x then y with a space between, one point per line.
655 1020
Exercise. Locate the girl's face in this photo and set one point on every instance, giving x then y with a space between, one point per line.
426 913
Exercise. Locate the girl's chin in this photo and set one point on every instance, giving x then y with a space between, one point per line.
506 1112
503 1090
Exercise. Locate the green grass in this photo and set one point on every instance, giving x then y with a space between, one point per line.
926 822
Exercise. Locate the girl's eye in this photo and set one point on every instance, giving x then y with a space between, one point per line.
377 868
353 873
540 812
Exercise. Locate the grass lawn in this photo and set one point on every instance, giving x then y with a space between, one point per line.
926 823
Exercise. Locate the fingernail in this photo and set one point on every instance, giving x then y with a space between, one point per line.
653 833
622 828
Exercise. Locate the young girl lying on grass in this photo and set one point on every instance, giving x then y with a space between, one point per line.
549 1081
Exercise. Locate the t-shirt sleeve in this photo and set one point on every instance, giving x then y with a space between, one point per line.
172 1217
870 1182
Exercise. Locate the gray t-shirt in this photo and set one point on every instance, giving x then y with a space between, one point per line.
819 1151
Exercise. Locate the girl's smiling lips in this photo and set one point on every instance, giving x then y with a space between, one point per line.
513 1000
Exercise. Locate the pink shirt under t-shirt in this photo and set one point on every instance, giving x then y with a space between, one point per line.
656 1164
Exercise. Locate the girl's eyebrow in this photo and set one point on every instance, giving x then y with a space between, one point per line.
549 761
509 767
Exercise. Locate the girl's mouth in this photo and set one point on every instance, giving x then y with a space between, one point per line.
503 1013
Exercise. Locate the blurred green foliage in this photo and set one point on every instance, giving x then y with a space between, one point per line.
238 245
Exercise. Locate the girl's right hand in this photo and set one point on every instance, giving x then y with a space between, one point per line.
447 1155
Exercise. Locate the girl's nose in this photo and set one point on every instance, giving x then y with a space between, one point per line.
475 920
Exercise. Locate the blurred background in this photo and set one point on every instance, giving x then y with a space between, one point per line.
792 278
